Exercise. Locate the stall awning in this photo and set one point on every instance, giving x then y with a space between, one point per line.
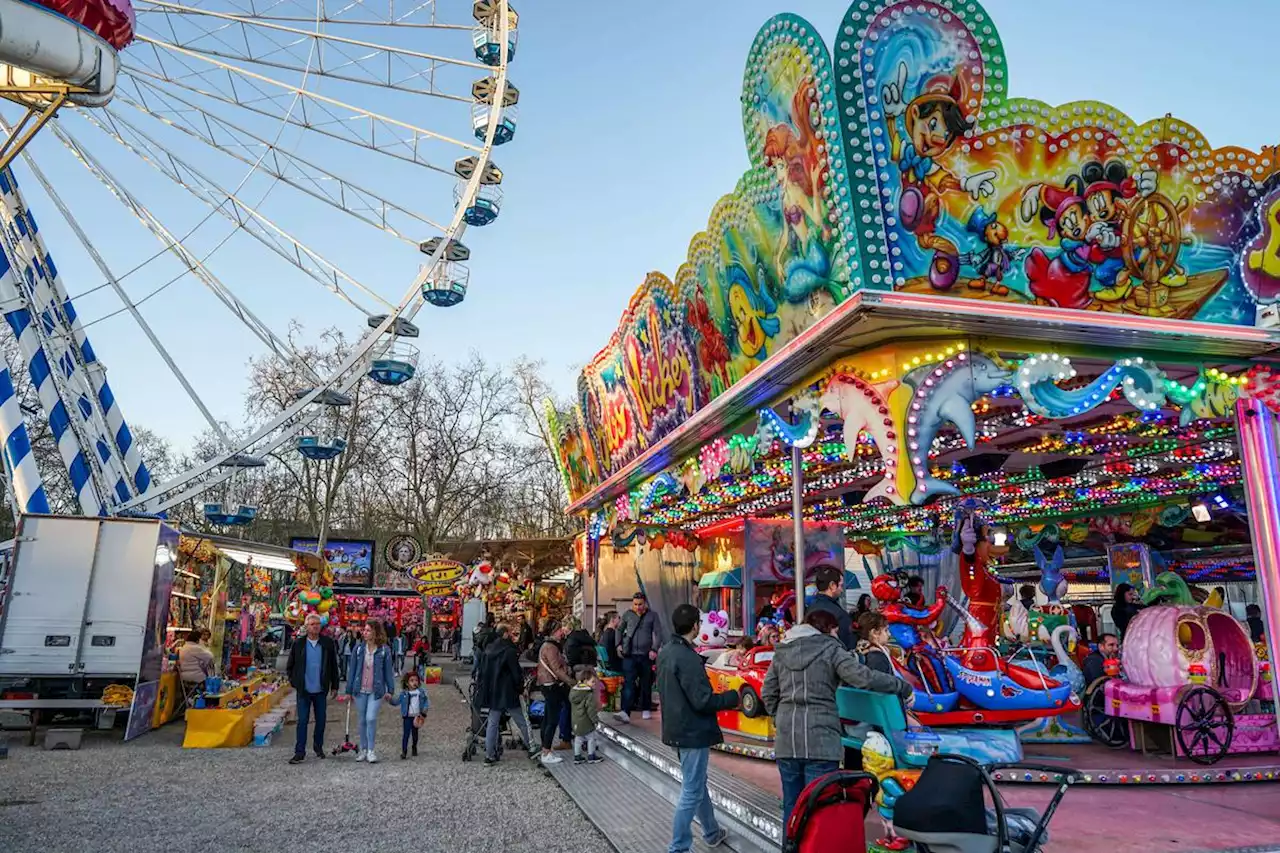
731 579
260 559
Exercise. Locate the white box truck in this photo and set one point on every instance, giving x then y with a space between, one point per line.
84 604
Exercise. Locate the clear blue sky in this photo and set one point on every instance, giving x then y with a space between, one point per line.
629 132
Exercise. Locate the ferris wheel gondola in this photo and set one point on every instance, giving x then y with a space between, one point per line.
282 92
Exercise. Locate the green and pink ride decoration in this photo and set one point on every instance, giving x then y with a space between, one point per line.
1189 673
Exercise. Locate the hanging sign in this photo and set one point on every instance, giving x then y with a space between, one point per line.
437 571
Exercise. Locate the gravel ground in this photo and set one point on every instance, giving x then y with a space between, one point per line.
152 794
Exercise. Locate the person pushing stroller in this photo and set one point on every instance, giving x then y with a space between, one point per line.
500 685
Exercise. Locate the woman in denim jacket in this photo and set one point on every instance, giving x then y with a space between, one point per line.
369 679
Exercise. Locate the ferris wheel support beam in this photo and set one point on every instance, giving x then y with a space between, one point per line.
282 165
245 217
281 348
115 420
301 413
32 120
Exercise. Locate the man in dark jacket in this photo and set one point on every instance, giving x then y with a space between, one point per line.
1095 665
689 708
501 683
639 649
830 583
313 672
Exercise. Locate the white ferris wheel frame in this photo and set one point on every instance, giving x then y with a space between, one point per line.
303 411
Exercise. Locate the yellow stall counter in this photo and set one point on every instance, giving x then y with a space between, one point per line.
214 728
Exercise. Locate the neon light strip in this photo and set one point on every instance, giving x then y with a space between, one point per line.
1257 428
760 387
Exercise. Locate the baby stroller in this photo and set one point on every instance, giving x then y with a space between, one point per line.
537 705
480 725
946 810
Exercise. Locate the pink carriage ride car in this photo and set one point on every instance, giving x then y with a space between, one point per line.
1190 673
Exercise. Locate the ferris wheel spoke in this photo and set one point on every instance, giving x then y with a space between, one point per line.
276 99
369 13
313 52
249 148
226 203
107 273
238 309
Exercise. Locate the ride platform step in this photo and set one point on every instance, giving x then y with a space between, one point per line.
633 806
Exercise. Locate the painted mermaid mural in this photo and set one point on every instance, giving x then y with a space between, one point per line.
802 263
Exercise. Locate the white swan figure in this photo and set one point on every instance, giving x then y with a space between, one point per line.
1066 669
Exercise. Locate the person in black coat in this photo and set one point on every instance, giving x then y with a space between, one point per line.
689 708
313 673
580 648
610 641
499 689
526 635
830 583
1126 605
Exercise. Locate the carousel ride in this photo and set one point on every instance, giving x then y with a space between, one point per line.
242 138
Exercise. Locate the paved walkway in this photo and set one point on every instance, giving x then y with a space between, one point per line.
152 794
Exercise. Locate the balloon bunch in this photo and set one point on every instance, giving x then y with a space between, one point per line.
301 602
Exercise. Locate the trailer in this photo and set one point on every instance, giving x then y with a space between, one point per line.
85 605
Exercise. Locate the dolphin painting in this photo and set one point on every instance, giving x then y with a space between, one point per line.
863 406
945 392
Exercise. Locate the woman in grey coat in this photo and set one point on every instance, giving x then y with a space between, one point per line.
800 694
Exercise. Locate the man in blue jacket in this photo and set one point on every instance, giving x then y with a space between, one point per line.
313 672
689 707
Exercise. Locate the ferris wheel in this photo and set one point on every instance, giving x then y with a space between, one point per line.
214 99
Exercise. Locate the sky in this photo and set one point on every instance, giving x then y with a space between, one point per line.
629 131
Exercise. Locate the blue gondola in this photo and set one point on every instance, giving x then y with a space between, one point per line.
223 516
488 44
320 449
444 293
505 130
395 366
481 212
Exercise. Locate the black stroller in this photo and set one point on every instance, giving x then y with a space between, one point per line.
480 725
946 811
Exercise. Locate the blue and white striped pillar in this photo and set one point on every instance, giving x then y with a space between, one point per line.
20 462
19 320
40 277
120 433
